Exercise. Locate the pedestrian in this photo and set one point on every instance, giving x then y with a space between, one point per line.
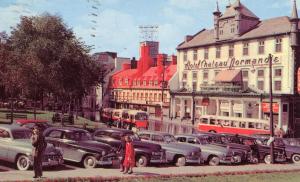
129 160
39 145
121 153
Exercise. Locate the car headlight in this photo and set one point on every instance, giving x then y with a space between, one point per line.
103 153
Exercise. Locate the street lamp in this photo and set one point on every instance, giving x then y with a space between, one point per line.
271 109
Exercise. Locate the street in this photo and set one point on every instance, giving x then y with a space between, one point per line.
70 171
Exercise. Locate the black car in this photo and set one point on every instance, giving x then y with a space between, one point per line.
78 146
259 147
145 152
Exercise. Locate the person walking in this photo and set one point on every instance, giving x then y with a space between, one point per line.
129 160
121 153
39 145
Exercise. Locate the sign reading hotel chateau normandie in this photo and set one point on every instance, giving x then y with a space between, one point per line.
230 63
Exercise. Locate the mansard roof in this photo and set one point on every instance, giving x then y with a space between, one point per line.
269 27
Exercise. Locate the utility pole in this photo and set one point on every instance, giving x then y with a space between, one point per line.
271 109
162 93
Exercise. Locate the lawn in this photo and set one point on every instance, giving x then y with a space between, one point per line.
268 177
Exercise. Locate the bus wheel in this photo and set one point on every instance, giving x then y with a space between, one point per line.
212 131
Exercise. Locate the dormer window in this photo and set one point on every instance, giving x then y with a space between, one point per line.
138 82
155 83
150 82
126 81
120 81
145 83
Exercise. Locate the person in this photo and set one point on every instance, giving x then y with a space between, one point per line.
121 153
39 144
129 160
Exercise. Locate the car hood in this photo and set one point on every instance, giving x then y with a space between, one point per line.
95 145
148 145
179 147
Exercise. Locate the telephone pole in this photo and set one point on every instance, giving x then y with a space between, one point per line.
271 109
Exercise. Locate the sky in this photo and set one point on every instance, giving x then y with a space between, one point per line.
113 25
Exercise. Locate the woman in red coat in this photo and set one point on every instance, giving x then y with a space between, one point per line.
129 161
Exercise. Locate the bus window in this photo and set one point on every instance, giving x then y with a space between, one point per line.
234 123
242 124
226 123
141 116
266 127
258 126
251 125
213 121
204 121
125 115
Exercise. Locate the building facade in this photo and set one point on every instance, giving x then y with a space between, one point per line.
224 71
142 87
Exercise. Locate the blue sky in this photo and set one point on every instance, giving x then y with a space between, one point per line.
116 26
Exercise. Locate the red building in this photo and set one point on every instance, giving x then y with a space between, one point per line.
141 87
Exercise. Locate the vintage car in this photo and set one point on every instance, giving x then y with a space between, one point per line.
146 152
178 153
211 154
78 146
16 147
259 147
221 140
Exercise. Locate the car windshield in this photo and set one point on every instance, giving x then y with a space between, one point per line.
21 134
78 136
169 138
292 141
203 140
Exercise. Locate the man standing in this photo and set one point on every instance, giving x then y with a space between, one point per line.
39 144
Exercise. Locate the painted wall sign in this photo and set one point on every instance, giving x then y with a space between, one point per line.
230 63
266 107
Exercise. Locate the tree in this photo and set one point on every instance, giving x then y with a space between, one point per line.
52 59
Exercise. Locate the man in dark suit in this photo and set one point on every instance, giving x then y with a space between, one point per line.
39 144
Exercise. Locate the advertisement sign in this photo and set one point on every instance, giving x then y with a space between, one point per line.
266 107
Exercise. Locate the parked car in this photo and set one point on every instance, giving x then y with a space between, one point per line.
16 147
243 151
78 146
30 123
211 154
259 148
145 152
178 153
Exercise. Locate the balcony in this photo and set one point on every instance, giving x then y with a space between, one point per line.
220 88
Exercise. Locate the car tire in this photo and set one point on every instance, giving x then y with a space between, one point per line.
89 162
296 158
267 159
214 161
23 163
180 161
142 161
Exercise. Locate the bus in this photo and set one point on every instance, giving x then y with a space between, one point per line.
223 124
138 119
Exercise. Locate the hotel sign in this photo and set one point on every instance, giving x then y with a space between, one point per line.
230 63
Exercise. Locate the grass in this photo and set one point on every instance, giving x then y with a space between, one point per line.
267 177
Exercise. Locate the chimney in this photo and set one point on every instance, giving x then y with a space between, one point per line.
188 38
217 15
145 61
161 58
173 59
126 66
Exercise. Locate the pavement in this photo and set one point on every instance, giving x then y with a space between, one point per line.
67 171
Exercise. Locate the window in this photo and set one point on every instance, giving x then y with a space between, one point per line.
195 75
278 45
150 97
126 81
55 134
195 55
260 74
245 49
184 76
278 72
144 82
133 96
245 84
146 96
194 86
150 82
261 47
181 139
134 82
206 53
144 136
205 75
277 85
218 52
120 81
4 134
138 82
184 56
260 85
221 32
231 50
142 96
245 74
157 138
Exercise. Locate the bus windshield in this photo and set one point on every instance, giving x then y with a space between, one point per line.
141 116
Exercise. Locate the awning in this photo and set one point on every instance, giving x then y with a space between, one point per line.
229 76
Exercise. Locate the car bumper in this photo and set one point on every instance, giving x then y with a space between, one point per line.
52 162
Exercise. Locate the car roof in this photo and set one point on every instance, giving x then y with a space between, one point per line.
66 129
114 130
24 121
185 135
153 133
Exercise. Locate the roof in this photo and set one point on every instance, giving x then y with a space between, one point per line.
230 12
229 76
269 27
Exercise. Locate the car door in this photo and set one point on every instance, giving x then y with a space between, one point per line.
4 143
71 147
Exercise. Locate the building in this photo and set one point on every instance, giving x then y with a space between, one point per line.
141 87
224 71
99 95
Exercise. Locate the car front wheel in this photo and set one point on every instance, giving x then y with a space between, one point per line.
267 159
214 161
142 161
23 163
89 162
180 161
296 158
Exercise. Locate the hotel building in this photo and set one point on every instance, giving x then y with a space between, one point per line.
224 71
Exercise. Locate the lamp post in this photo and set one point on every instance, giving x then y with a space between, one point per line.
162 93
271 109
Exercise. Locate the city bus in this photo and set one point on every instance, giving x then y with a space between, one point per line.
223 124
138 119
